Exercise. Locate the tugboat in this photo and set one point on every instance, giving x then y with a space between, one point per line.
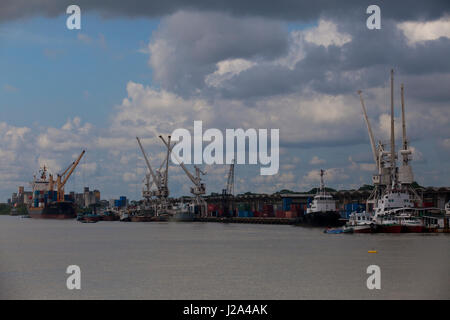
88 218
109 215
322 211
361 222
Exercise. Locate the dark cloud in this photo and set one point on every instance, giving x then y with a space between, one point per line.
283 9
364 62
188 45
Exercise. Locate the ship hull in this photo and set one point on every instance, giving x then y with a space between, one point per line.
412 229
56 210
362 229
322 219
110 218
182 217
140 219
389 228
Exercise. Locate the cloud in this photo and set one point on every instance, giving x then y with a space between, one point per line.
315 161
331 175
285 9
71 135
326 34
181 60
10 88
417 32
226 70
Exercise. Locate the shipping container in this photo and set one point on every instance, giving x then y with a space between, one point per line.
286 204
280 214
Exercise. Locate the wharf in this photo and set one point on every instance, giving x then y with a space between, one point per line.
255 220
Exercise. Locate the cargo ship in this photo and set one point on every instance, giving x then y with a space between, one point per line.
183 212
48 203
322 210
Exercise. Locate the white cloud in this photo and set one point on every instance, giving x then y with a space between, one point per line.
316 160
226 70
326 34
417 32
71 135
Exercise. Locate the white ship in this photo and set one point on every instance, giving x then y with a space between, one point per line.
394 202
322 210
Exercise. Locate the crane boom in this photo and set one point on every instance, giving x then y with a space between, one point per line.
369 128
66 174
230 180
74 165
148 164
191 177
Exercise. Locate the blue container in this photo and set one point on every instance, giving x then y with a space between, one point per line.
287 204
243 214
116 203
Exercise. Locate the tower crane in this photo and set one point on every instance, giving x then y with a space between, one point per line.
228 192
199 188
230 181
160 180
63 177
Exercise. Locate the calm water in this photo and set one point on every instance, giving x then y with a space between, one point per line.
214 261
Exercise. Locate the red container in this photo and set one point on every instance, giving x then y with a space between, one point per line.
280 214
291 214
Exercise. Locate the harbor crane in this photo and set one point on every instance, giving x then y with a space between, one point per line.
159 176
199 188
160 180
63 177
230 181
228 192
388 174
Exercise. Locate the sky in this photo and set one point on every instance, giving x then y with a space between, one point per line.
145 68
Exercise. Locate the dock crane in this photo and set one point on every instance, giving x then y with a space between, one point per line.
390 176
159 180
199 188
63 177
228 193
230 181
383 176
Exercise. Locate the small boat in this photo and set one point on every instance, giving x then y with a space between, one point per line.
338 230
361 222
88 218
109 216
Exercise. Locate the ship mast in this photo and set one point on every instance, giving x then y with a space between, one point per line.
393 162
322 184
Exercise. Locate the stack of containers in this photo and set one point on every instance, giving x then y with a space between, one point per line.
287 204
123 201
280 214
267 210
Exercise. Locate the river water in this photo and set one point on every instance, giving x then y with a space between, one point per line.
215 261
